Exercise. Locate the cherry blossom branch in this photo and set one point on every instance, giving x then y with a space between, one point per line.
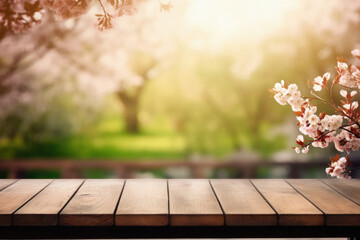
331 93
318 97
330 131
317 139
356 135
348 116
102 6
325 128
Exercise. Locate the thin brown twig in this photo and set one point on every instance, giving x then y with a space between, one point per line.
318 97
102 6
348 116
330 131
356 135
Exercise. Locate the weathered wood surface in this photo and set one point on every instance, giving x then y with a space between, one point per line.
6 182
94 204
43 209
181 203
16 195
292 208
348 187
338 210
193 203
144 202
242 203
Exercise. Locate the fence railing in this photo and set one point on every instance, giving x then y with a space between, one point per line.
127 169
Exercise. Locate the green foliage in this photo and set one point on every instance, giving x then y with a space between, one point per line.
42 174
106 140
216 112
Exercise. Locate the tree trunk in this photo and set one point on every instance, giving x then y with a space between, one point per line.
131 112
130 99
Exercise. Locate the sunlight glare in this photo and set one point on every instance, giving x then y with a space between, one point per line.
224 21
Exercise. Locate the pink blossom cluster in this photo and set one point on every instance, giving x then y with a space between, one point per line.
349 75
65 9
342 127
18 16
338 167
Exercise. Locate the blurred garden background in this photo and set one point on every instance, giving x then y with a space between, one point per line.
179 93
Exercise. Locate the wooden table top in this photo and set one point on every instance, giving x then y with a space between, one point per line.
179 202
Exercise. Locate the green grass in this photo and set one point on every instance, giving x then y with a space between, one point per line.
107 140
157 140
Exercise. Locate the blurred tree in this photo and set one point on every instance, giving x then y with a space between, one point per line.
129 56
36 103
221 113
142 63
18 16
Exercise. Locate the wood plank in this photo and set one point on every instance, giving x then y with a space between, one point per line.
339 210
292 208
94 204
144 202
43 209
242 203
14 196
348 187
193 203
6 182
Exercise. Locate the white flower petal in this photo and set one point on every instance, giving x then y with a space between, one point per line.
356 52
343 93
342 66
317 87
326 76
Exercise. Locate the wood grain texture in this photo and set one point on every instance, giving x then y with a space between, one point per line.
242 203
193 203
292 208
94 204
339 210
144 202
6 182
43 209
14 196
348 187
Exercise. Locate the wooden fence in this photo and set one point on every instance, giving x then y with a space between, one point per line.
127 169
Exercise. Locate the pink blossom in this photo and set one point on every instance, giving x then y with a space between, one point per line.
326 76
342 162
356 52
347 80
277 87
324 128
342 66
305 150
355 105
292 88
318 81
300 138
338 172
343 93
